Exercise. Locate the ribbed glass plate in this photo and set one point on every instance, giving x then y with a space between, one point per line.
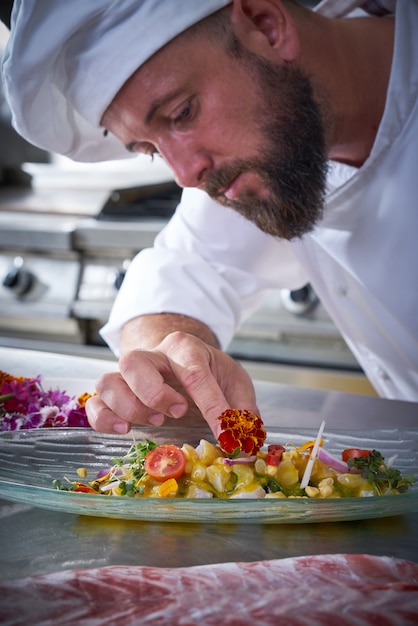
30 460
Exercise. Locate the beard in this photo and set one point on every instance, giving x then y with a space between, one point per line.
292 163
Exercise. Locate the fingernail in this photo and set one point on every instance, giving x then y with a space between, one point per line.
121 428
177 410
157 419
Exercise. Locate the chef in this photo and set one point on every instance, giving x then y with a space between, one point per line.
294 133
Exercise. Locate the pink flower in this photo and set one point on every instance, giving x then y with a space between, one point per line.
25 404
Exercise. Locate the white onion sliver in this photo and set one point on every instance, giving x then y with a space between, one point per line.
391 460
308 469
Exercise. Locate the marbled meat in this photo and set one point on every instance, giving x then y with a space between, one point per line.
343 589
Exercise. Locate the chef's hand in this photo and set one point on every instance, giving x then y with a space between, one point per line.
159 383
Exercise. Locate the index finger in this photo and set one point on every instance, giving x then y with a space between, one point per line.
212 379
148 375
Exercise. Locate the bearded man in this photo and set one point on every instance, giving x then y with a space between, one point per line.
293 133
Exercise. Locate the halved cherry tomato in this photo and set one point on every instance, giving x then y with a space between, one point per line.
166 461
274 454
354 453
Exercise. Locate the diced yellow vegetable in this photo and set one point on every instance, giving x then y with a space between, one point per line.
197 492
290 455
191 457
169 488
207 452
245 475
352 481
287 474
198 474
276 494
82 472
252 490
218 476
355 483
271 470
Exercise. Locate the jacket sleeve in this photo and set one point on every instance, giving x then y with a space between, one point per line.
209 263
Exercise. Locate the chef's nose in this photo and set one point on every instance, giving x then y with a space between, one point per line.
190 166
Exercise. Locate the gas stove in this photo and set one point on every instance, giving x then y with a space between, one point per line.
66 243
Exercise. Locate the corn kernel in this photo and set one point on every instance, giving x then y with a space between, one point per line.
312 492
260 466
82 472
326 487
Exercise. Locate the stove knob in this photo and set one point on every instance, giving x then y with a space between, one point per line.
120 275
19 280
299 301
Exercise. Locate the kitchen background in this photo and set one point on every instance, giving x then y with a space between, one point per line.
67 234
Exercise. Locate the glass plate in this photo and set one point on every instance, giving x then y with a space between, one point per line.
30 460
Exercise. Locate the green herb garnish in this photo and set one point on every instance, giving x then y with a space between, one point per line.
383 478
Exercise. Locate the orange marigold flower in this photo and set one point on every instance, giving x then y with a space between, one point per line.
5 377
241 430
84 397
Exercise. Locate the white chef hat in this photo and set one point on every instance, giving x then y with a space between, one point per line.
66 60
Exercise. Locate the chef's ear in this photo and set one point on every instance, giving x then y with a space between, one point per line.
265 27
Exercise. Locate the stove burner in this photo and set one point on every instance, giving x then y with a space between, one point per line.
150 201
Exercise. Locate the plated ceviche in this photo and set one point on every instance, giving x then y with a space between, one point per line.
269 471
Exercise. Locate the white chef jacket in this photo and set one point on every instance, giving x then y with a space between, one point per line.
362 259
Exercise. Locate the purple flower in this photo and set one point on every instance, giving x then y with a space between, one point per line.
78 418
25 404
17 421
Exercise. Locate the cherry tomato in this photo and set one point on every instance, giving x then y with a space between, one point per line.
274 454
354 453
164 462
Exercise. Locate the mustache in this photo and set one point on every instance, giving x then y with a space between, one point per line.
296 198
219 180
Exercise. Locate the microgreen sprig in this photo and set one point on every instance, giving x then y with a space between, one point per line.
383 478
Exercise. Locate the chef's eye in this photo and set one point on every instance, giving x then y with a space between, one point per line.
143 147
148 149
184 113
154 154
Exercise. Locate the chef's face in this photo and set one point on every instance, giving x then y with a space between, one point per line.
241 127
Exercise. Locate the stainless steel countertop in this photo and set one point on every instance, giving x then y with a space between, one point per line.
34 541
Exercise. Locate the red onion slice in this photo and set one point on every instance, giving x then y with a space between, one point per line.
332 461
241 460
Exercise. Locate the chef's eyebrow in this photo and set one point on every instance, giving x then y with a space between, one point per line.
159 102
152 110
